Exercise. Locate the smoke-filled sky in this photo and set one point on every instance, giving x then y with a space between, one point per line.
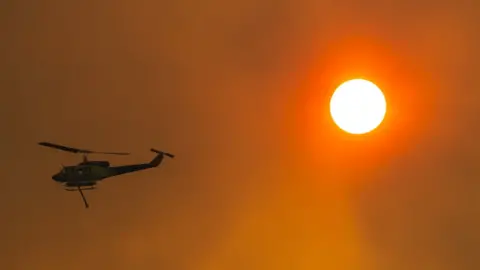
239 90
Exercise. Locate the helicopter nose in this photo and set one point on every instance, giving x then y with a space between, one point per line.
56 177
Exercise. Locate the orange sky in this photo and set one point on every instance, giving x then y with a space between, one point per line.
239 90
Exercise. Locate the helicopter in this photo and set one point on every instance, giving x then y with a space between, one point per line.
86 174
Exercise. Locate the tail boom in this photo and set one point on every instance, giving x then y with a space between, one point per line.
138 167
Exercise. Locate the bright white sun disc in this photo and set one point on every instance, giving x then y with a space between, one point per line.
358 106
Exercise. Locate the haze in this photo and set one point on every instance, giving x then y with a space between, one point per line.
223 84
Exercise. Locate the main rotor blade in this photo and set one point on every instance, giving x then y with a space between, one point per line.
76 150
109 153
63 148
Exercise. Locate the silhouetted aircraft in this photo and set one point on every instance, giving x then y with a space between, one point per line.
86 174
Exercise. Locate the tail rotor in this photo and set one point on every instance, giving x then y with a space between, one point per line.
162 153
158 159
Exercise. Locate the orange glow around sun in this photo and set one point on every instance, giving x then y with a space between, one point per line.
358 106
410 105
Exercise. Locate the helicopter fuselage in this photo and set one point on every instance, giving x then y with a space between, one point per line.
84 174
88 173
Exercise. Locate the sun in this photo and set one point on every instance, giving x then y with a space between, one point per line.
358 106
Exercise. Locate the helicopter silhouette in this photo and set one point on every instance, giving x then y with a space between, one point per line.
86 174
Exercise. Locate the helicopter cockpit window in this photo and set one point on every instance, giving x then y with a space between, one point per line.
67 170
